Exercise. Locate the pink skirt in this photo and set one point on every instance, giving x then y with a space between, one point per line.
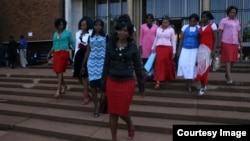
60 61
119 94
229 52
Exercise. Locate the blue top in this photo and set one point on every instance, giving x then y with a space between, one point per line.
191 38
23 44
96 56
63 40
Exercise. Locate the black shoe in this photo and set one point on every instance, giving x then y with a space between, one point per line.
96 114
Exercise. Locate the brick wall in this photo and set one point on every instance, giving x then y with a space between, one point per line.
22 16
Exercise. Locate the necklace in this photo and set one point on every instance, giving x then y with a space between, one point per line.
59 35
121 45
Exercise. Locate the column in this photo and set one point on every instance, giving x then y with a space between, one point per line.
130 9
68 14
206 5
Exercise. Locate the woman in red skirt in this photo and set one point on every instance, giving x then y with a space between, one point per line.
165 48
122 59
229 40
208 36
62 38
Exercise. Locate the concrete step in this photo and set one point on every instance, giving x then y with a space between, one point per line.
76 93
23 136
74 81
79 131
180 113
27 106
165 88
41 97
157 125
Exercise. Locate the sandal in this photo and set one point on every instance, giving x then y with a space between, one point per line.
86 98
64 88
229 82
157 85
58 94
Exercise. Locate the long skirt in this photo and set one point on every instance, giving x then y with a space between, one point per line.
187 63
164 68
229 52
119 94
60 61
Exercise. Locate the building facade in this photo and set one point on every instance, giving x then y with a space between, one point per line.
36 17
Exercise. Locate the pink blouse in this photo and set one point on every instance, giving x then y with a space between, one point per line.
165 37
231 29
147 36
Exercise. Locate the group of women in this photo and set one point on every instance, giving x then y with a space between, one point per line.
106 65
198 41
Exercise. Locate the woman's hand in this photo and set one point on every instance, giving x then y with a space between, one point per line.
83 70
152 51
140 49
173 56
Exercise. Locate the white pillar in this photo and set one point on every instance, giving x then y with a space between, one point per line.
130 8
206 5
68 14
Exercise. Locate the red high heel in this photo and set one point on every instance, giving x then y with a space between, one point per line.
86 99
131 132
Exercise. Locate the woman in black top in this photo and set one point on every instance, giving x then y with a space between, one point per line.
121 60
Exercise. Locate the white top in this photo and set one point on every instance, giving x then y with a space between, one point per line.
192 28
84 41
214 27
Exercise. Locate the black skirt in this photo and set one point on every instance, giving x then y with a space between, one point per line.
78 64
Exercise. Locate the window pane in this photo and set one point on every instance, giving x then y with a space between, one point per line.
177 8
115 7
150 7
218 4
124 7
193 6
161 8
102 8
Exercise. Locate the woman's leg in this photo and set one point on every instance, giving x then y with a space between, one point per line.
84 82
228 70
85 85
59 79
189 84
95 100
131 129
113 120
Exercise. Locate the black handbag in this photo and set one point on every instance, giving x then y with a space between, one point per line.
103 105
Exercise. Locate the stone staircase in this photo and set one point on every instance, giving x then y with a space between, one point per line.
28 111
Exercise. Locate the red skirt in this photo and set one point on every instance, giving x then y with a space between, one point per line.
60 61
119 94
164 68
229 52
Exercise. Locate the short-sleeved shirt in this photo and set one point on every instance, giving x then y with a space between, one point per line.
231 28
63 40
